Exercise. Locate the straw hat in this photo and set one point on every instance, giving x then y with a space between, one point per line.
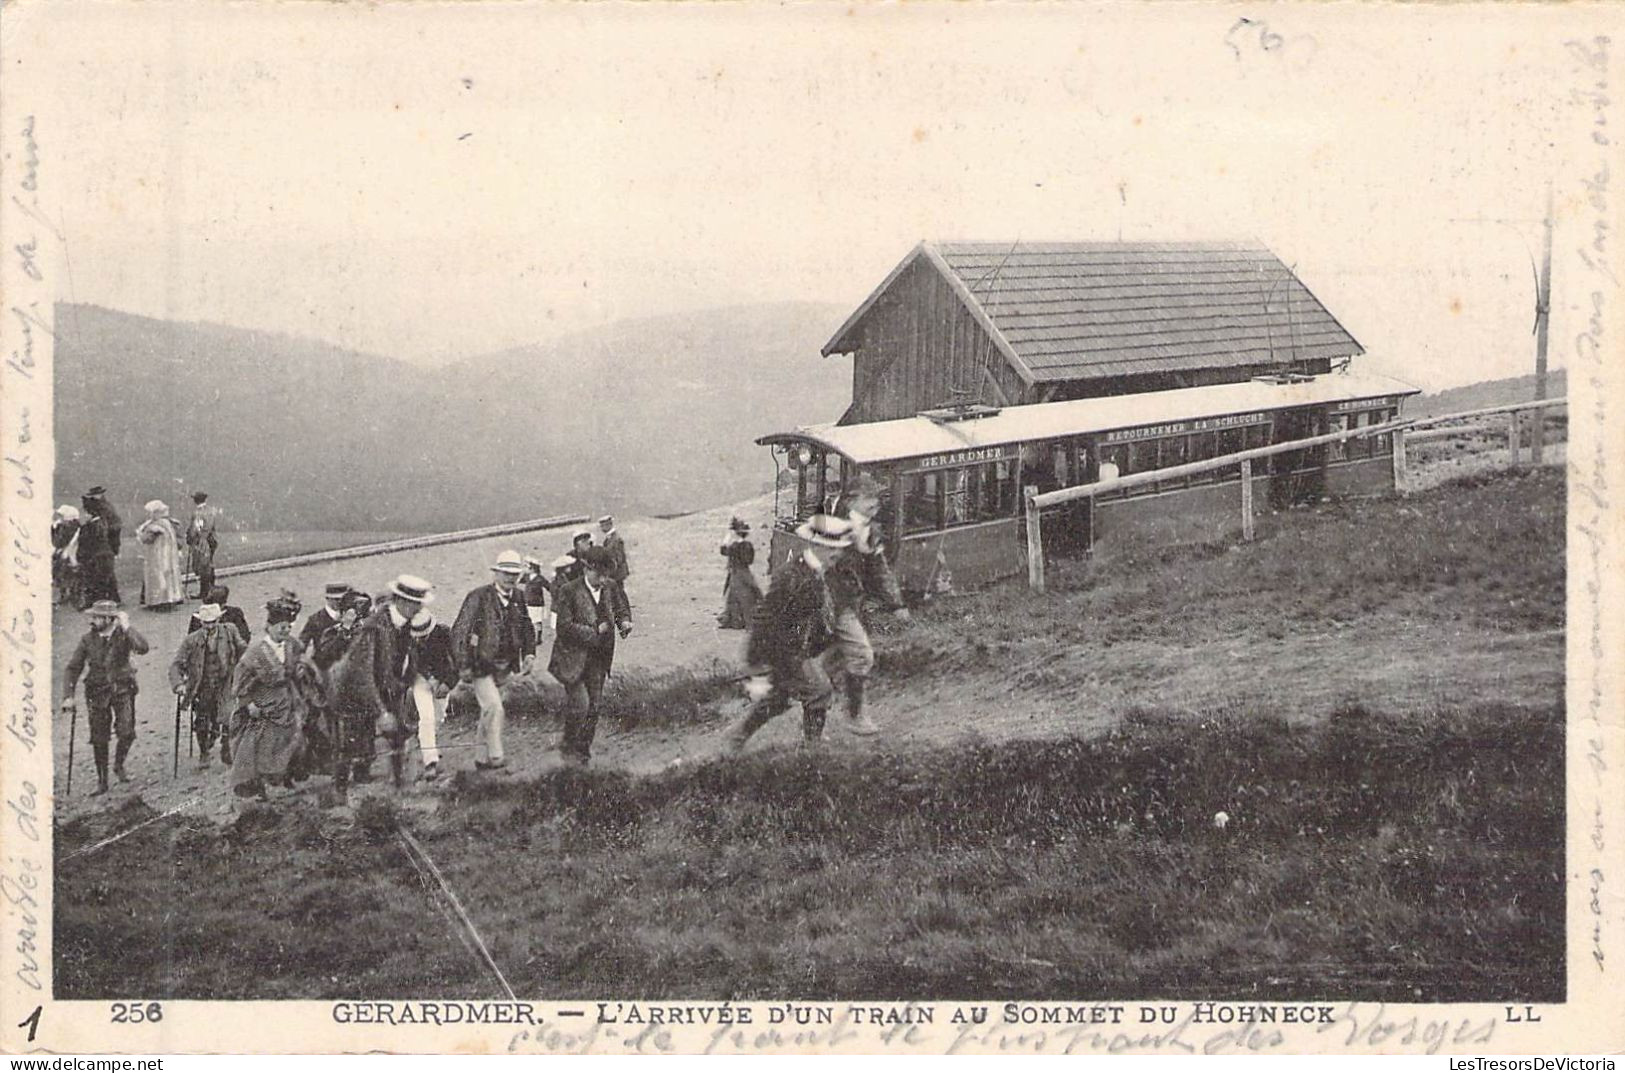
826 531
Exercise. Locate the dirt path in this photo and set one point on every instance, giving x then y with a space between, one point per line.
1039 688
676 593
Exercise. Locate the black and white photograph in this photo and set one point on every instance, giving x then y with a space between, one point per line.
757 528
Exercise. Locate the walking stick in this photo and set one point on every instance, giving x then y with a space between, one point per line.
73 725
177 771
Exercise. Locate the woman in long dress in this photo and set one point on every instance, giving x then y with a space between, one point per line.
740 593
268 707
161 561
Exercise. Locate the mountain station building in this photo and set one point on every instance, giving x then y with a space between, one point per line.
983 368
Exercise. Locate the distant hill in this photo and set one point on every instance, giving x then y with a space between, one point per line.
649 416
1487 393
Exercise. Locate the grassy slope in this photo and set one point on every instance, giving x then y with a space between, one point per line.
1392 854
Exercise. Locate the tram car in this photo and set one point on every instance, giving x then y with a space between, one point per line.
952 510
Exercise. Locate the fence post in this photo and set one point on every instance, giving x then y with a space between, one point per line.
1246 499
1399 460
1035 541
1514 427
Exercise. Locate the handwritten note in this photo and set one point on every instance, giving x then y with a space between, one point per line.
1592 503
25 465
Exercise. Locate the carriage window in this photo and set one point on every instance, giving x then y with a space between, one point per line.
1380 445
999 490
1338 451
1142 457
1175 452
1257 436
922 508
1113 463
957 497
1203 446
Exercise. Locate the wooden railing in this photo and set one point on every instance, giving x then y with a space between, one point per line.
1037 501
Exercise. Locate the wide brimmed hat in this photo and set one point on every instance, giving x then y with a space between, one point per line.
156 506
336 590
408 587
209 613
739 525
509 562
826 531
103 609
281 609
198 497
422 623
580 532
68 513
608 519
96 492
564 562
599 559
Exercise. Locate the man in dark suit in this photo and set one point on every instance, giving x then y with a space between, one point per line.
612 543
591 610
371 680
325 617
492 639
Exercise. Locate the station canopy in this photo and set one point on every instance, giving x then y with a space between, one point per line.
912 437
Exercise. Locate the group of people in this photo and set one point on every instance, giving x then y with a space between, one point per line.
86 540
293 703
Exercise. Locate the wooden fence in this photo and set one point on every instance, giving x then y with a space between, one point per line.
1401 428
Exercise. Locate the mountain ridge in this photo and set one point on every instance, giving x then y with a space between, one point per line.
352 440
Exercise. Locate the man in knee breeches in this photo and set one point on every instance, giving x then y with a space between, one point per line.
793 629
861 572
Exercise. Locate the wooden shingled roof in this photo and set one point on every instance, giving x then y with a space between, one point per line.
1084 310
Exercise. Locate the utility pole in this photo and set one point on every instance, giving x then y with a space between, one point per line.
1543 309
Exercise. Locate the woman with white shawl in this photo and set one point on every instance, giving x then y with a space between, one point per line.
161 561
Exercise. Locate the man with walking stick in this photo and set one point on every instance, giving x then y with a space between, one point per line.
103 657
200 675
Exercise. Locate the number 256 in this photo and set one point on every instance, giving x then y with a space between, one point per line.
133 1013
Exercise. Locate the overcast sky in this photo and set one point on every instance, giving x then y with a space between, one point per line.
436 182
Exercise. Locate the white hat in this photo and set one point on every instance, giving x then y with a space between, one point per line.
422 623
156 506
68 513
583 531
509 562
564 561
826 531
209 613
408 587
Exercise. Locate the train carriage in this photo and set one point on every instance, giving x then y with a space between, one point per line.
953 479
